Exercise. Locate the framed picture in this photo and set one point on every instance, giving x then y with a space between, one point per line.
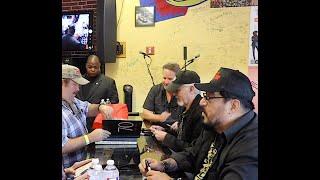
145 16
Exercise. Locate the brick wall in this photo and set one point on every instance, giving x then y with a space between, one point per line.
72 5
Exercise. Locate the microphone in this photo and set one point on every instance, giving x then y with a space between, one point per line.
144 54
197 56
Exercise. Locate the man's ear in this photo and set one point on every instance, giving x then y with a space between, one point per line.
192 88
235 105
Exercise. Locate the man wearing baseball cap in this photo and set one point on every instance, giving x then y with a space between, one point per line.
75 135
228 146
189 126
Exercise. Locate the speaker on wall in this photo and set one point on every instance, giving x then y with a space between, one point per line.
106 30
185 53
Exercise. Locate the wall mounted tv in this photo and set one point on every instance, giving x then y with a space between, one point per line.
77 31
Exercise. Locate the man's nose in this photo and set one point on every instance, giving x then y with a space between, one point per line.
203 102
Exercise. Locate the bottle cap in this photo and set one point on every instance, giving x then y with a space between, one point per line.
98 167
95 161
110 162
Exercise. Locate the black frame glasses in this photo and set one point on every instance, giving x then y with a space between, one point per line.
210 97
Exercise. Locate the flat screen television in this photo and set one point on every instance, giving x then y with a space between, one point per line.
77 31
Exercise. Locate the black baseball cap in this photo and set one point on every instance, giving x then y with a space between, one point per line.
183 77
231 81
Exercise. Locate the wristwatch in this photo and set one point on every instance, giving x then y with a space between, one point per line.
165 166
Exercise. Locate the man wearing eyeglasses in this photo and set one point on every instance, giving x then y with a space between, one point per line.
227 148
181 134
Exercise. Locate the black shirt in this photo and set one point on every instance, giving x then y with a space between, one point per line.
190 129
237 157
156 102
99 87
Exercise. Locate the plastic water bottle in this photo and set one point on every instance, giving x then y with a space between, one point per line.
110 171
108 101
103 102
97 173
91 170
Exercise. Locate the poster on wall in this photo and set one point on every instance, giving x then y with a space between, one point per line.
232 3
164 10
253 37
253 76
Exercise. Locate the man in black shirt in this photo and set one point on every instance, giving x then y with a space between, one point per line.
189 125
227 148
99 87
160 106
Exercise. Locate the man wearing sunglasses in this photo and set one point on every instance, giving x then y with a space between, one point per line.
228 147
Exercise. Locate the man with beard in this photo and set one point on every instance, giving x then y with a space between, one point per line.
75 135
227 149
160 106
190 121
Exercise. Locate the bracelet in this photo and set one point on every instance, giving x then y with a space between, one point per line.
86 139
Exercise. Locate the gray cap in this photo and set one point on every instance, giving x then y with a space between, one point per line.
72 72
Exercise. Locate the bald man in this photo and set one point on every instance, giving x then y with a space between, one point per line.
100 86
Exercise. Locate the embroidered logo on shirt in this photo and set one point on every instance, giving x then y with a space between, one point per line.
208 162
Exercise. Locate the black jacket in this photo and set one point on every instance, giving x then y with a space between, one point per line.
238 157
191 127
101 87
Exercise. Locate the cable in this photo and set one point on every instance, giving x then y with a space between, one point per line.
120 13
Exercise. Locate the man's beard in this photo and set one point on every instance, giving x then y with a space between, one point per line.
206 123
180 103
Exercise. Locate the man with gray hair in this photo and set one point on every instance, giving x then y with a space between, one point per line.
188 128
227 148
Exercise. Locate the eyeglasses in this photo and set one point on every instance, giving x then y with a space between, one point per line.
212 97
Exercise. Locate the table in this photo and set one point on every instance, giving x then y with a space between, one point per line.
127 159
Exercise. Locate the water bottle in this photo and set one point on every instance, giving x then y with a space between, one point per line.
97 173
110 171
108 101
103 102
95 162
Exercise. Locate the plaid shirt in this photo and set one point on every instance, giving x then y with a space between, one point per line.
74 125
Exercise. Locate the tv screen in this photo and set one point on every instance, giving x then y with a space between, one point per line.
76 31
